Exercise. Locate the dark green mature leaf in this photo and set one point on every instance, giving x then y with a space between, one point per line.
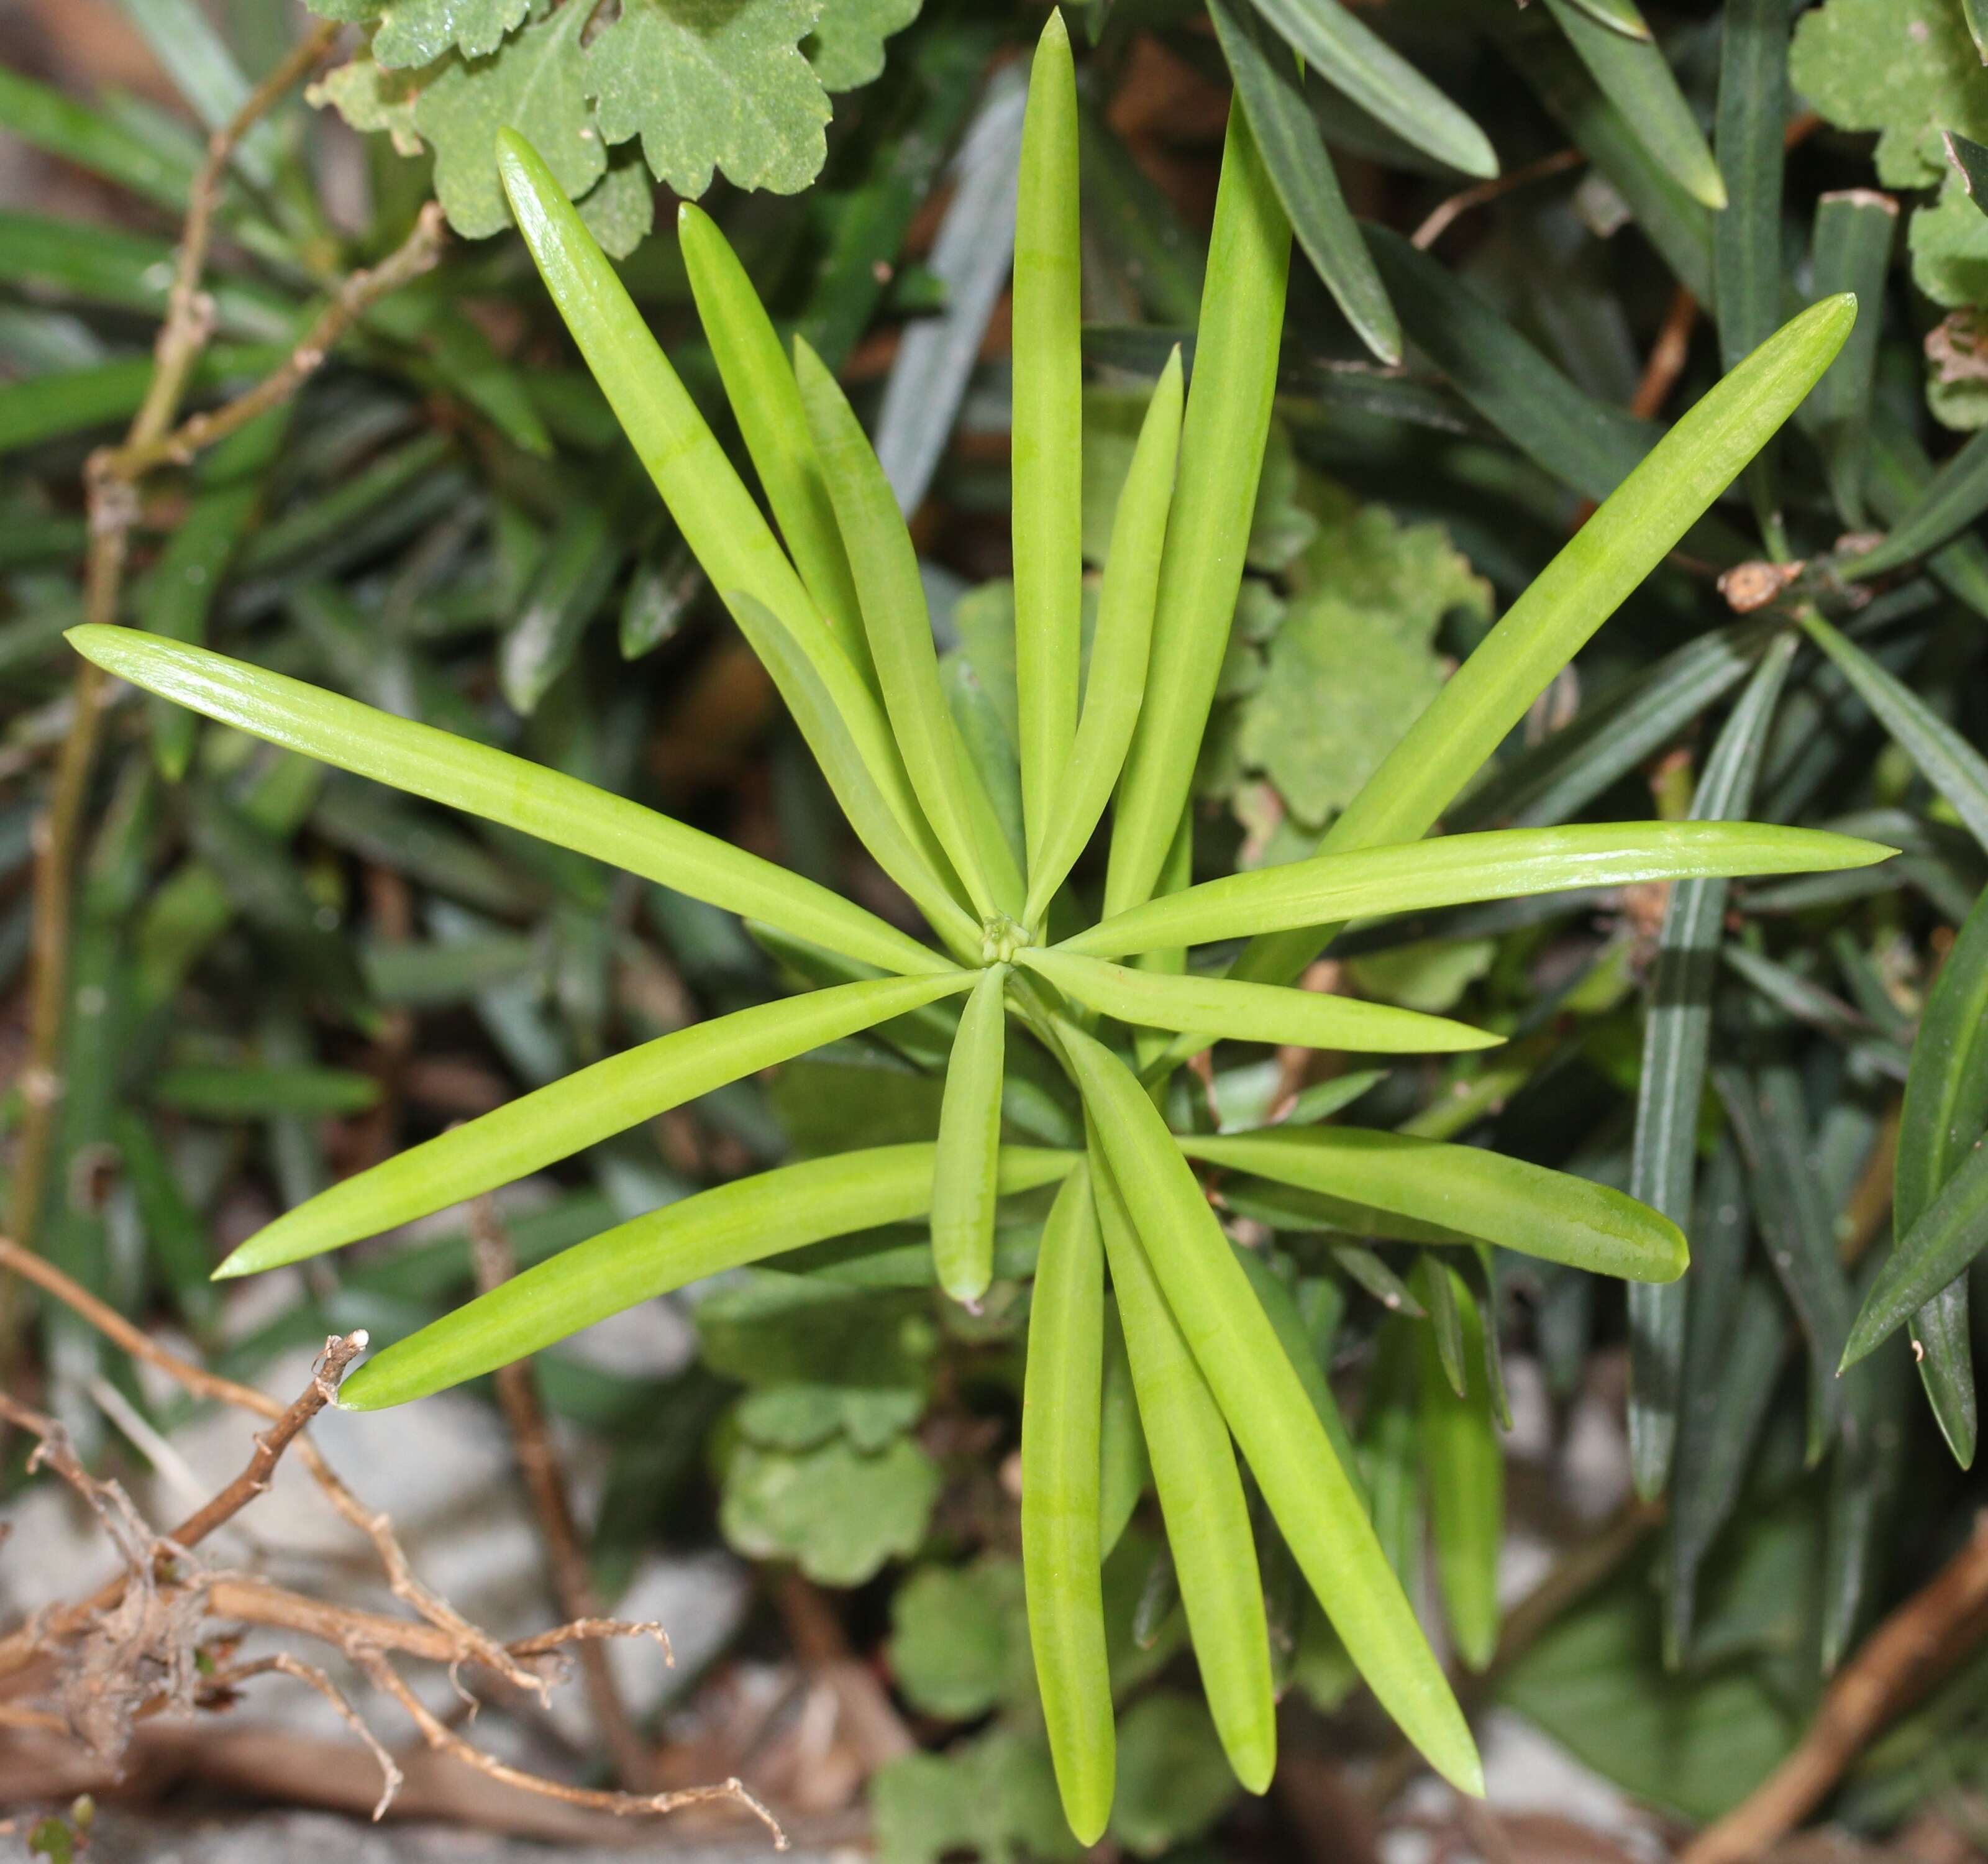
1677 224
1355 60
1586 444
1764 1105
1852 251
1970 160
1951 764
1466 1476
1638 78
1752 119
1957 497
1272 89
1945 1107
1677 1038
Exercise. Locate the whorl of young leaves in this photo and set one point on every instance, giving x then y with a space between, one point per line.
702 87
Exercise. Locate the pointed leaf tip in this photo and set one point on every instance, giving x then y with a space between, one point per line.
1055 32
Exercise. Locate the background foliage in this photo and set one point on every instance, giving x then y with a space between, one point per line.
278 975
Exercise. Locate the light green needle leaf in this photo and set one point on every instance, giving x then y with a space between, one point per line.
1237 1349
1048 451
970 1143
1202 1500
724 1228
1455 870
1222 444
501 788
1465 1190
578 1111
766 402
1355 60
1062 1392
716 514
1604 563
1250 1013
1639 80
1121 646
892 594
1125 1467
824 693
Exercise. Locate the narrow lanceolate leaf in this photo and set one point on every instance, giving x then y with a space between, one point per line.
1724 1413
1618 15
1951 764
886 568
1957 496
1124 1467
1676 1042
1466 1482
1752 120
1271 87
1969 160
1865 1480
1388 1448
823 693
1292 1458
1061 1394
1606 560
969 1143
1463 1191
724 1228
1120 648
1945 1107
1950 1233
1223 437
1975 13
1638 78
1676 223
1588 445
1200 1500
501 788
1250 1013
766 403
1358 61
718 516
1852 251
1455 870
1285 1316
578 1111
1764 1105
1048 472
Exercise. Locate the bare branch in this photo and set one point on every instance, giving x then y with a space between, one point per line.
439 1736
224 1682
545 1481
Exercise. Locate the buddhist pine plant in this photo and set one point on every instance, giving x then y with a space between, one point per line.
829 597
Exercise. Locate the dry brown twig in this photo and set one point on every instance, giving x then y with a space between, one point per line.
1920 1642
545 1483
128 1652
